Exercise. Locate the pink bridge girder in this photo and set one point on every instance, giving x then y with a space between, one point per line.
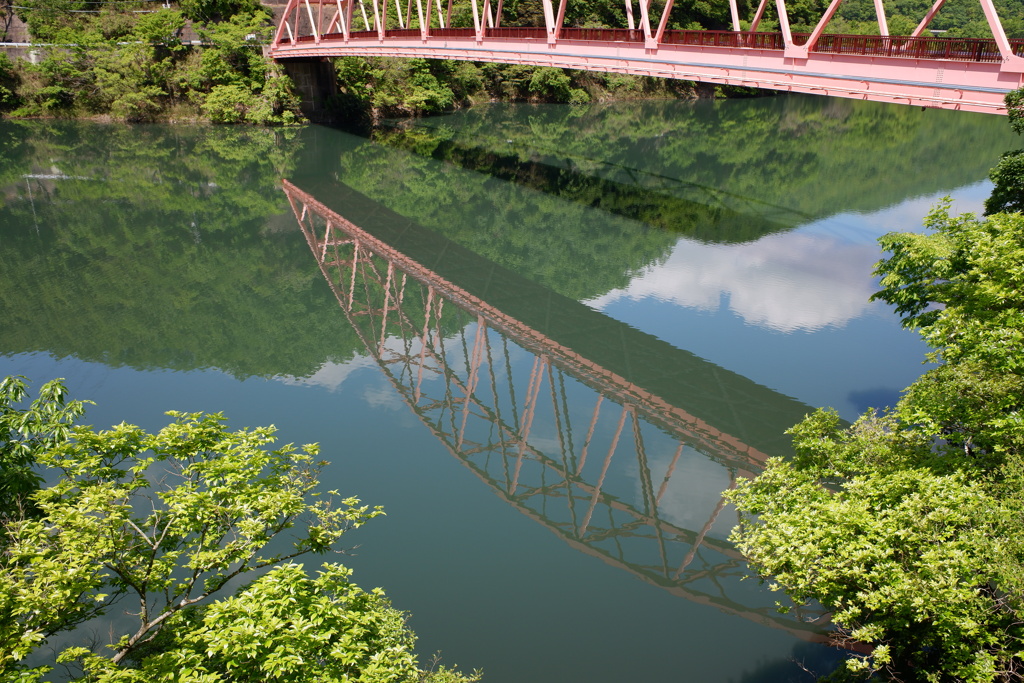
947 73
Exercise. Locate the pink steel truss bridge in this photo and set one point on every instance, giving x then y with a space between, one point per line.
596 459
962 74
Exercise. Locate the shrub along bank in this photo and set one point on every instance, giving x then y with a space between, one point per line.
130 64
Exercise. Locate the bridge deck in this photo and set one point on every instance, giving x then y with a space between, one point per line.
970 74
971 80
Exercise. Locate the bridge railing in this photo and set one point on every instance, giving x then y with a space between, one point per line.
960 49
957 49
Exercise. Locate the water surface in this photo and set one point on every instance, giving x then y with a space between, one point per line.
578 328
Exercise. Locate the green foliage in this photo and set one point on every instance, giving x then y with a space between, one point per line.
374 88
907 524
963 284
131 510
1015 109
164 523
133 66
550 82
959 18
43 424
1008 179
1008 175
273 630
10 81
398 87
209 11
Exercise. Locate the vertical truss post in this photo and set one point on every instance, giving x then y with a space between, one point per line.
312 22
668 474
341 18
700 537
424 343
362 10
448 19
1011 62
378 21
398 13
560 20
529 412
791 50
929 15
758 15
883 24
352 283
346 20
560 429
477 25
645 21
295 21
283 26
734 12
497 14
604 472
664 22
475 360
643 468
549 21
440 14
590 435
387 307
816 33
424 25
629 15
326 242
408 13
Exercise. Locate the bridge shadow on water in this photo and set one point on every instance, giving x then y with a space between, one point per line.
617 442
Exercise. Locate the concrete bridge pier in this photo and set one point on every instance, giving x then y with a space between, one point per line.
315 82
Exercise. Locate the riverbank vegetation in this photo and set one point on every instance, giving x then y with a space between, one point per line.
372 88
907 524
129 63
185 529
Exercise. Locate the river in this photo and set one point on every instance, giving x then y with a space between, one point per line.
563 333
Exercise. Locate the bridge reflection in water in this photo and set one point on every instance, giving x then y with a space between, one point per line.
546 401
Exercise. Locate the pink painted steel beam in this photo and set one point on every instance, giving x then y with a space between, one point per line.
942 83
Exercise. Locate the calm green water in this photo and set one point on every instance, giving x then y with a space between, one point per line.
578 327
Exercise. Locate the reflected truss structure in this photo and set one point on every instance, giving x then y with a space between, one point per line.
579 448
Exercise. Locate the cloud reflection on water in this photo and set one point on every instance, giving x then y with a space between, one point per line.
805 280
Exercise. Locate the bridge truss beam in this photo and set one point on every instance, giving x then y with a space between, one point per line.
961 74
